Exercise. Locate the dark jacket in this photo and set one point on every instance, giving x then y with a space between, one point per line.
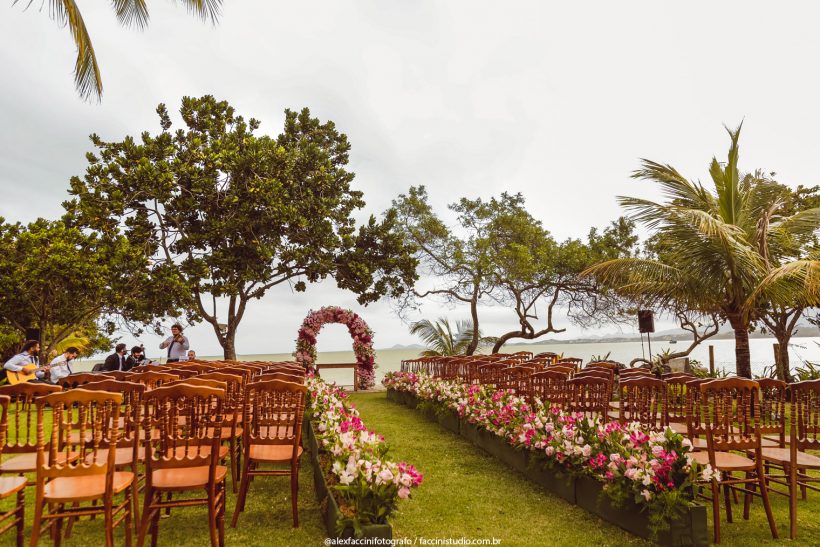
131 362
112 362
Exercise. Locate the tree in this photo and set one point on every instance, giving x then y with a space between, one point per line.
130 13
714 241
225 215
442 340
63 281
458 267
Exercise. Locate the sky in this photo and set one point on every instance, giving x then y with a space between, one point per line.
558 101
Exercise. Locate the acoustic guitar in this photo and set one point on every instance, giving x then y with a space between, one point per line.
19 377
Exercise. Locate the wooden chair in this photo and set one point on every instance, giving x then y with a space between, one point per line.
233 410
517 379
625 373
643 400
550 386
21 441
609 365
774 397
491 374
795 460
91 477
120 375
148 368
153 380
186 456
574 362
198 367
730 410
78 379
284 376
182 372
677 403
272 436
590 395
14 517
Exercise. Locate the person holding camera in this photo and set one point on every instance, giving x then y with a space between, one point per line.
177 345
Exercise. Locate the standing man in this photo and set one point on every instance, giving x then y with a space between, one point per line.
177 345
115 361
61 365
26 357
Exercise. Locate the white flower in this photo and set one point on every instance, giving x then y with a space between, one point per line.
646 494
586 451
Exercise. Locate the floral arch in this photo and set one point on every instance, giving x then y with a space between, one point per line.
359 331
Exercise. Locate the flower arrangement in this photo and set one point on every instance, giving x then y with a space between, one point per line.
359 331
654 469
368 483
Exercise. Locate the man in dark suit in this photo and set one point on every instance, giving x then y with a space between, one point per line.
115 361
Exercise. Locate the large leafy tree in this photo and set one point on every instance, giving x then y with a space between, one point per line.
454 260
66 283
130 13
225 215
717 242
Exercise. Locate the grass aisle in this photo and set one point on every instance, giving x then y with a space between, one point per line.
468 493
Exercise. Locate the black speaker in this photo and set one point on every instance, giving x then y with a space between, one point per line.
646 321
32 334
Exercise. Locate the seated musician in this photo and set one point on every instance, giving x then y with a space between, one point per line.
26 357
61 365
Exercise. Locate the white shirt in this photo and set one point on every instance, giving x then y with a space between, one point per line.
60 368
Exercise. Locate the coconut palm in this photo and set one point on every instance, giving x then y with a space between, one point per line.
721 248
442 340
130 13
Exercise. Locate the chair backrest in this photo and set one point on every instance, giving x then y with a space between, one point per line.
677 398
284 376
774 396
550 386
148 368
590 395
729 410
153 380
273 413
597 372
643 400
609 365
574 362
94 416
672 375
182 372
5 401
234 390
625 373
133 398
491 373
198 367
120 375
22 430
188 420
566 369
805 415
80 378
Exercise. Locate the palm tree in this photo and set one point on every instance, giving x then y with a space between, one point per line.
441 340
719 249
130 13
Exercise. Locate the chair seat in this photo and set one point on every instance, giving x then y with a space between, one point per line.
679 427
273 452
725 461
782 456
11 485
185 478
776 438
27 463
699 443
615 405
769 443
203 451
123 456
613 415
83 488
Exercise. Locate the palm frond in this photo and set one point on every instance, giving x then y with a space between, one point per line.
87 77
795 283
803 223
204 9
132 13
675 186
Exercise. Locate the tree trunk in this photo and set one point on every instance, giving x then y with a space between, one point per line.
743 356
782 365
474 314
229 345
503 339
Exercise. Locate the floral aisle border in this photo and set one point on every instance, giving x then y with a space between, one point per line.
359 331
648 475
353 464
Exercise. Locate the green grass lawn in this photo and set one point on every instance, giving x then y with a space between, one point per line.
465 493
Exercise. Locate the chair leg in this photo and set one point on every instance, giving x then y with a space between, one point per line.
243 491
792 501
764 493
129 512
146 517
234 466
20 517
728 502
747 499
221 520
58 527
212 516
716 509
108 512
37 524
135 502
155 524
294 495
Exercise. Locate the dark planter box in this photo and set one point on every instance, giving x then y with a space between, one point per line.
393 395
469 431
689 529
448 419
411 400
428 411
562 485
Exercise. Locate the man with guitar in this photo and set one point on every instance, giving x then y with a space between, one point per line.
61 365
24 367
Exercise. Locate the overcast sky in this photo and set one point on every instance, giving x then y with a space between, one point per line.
557 101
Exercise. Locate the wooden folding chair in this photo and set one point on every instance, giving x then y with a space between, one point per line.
78 379
91 477
643 400
186 456
590 395
272 433
153 380
14 517
550 386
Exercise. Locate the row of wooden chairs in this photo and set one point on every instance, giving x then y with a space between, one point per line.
85 443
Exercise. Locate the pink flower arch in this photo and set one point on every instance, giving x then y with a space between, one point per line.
359 331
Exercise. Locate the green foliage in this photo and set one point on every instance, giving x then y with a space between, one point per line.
62 280
809 371
224 213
